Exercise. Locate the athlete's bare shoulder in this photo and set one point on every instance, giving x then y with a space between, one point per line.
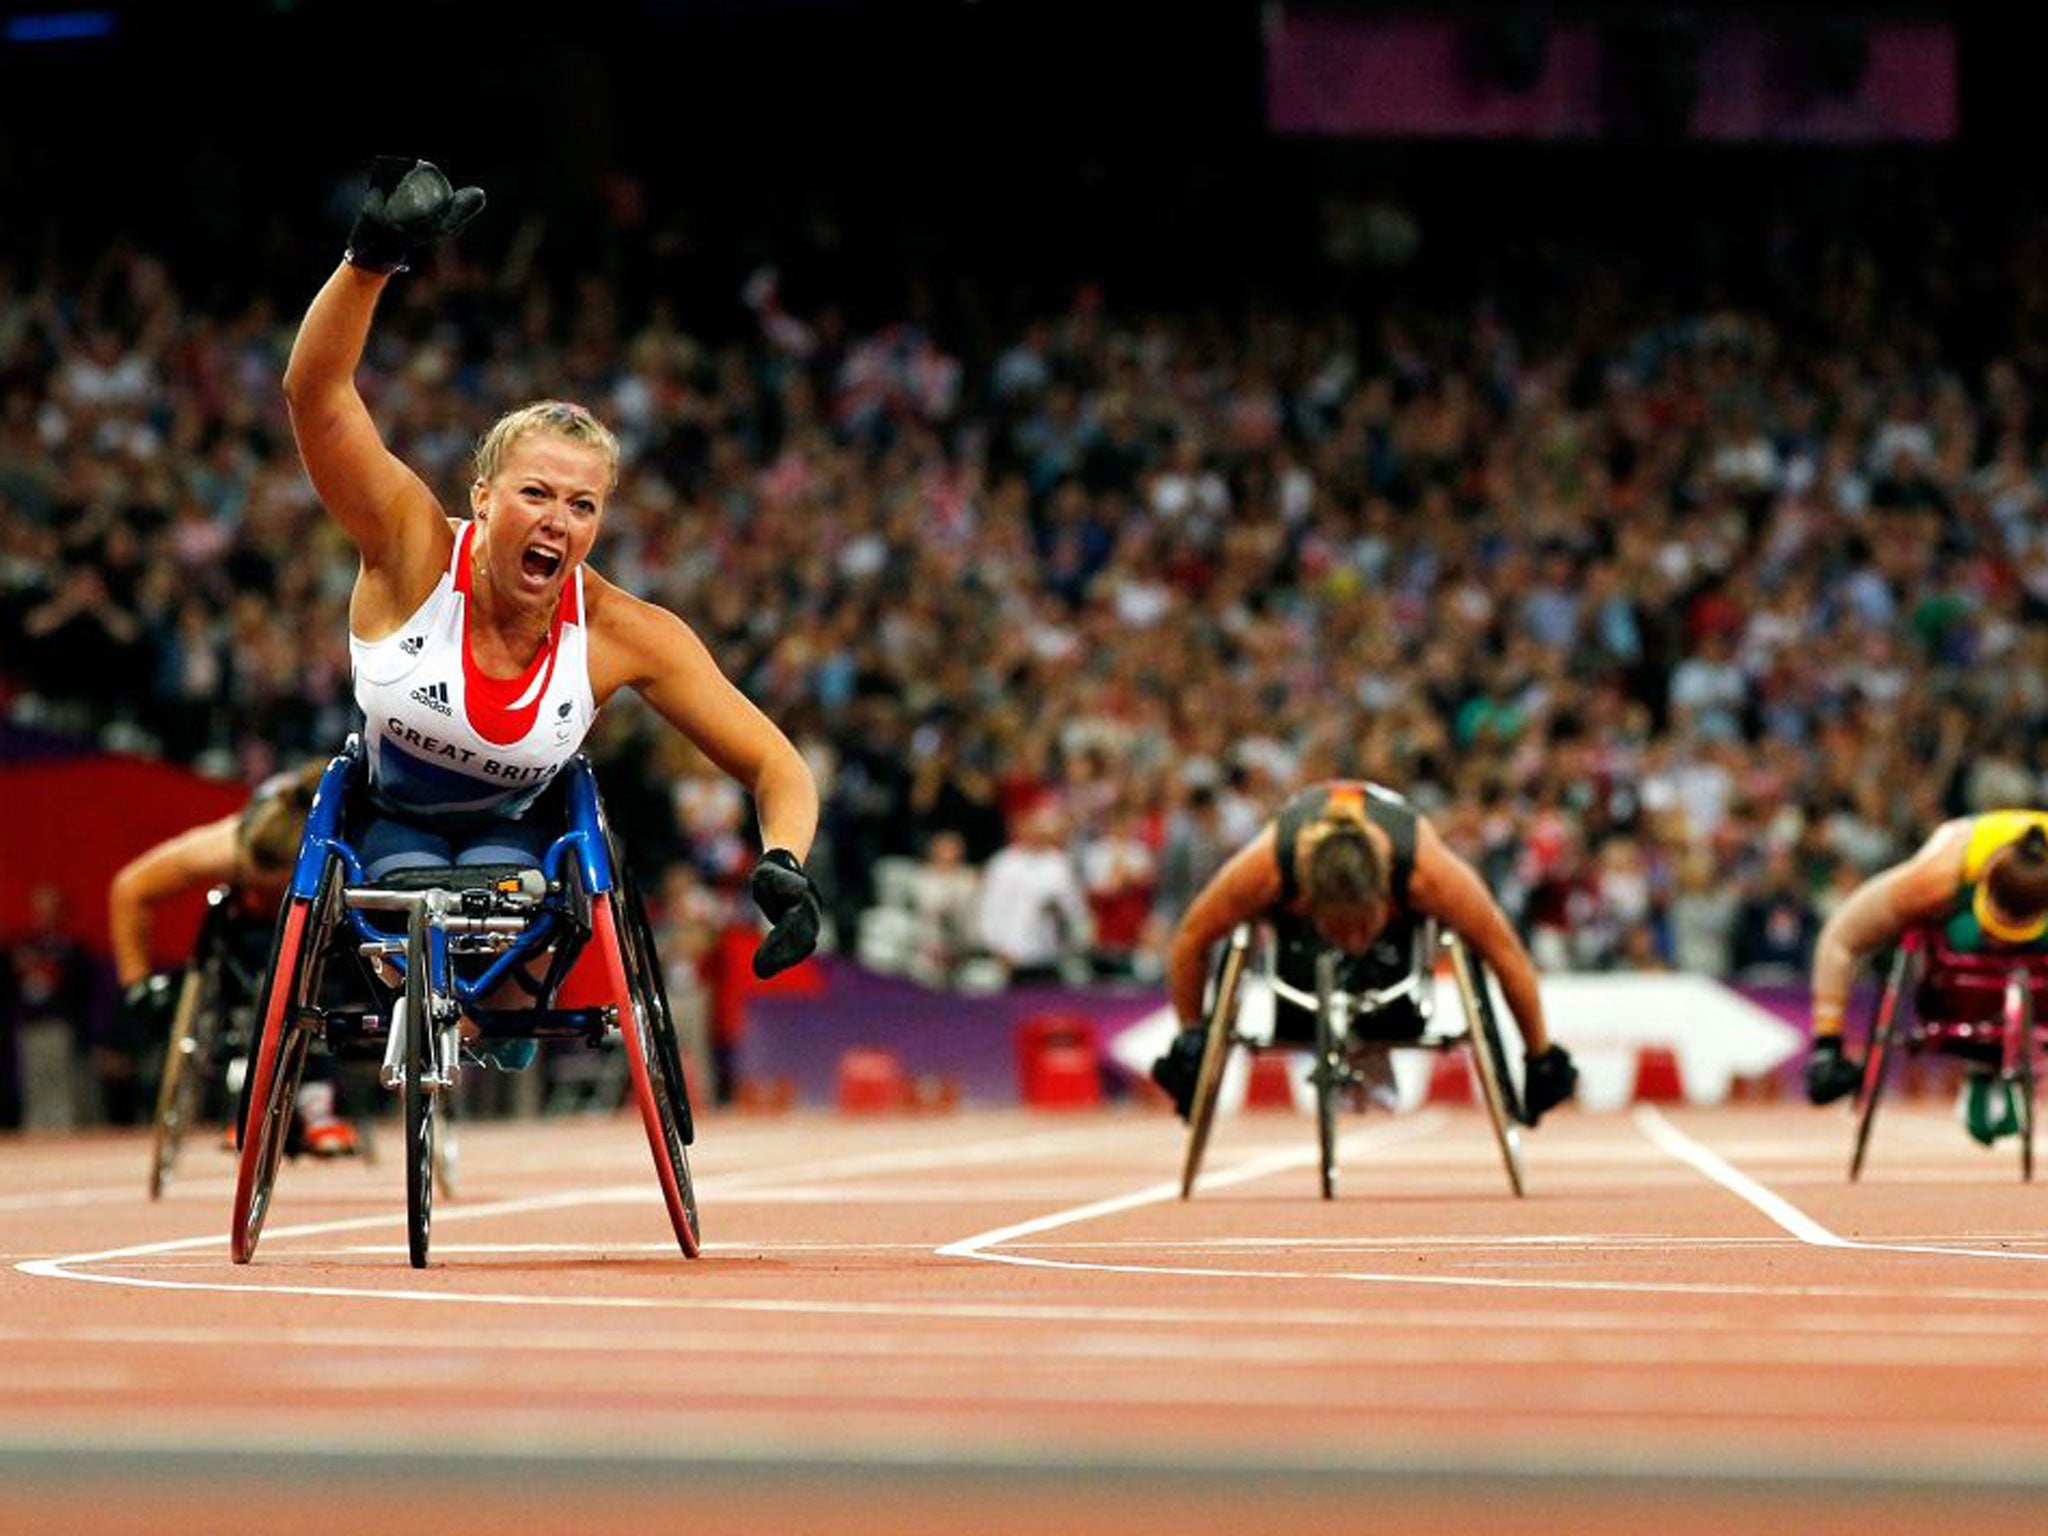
633 641
611 610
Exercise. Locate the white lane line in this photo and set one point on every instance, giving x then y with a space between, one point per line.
61 1268
1000 1149
1256 1168
1667 1136
1780 1210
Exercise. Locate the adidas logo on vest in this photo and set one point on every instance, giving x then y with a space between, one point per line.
435 697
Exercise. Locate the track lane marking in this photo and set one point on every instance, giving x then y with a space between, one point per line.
977 1246
1661 1133
892 1160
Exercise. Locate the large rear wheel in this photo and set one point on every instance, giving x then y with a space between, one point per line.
1877 1061
188 1062
1488 1055
1222 1024
653 1058
278 1059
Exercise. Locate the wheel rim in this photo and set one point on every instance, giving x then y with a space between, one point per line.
1487 1054
178 1090
650 1075
1877 1061
279 1055
1222 1020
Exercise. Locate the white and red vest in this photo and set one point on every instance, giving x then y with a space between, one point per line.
444 740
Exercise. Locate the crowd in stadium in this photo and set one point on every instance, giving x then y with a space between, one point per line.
1677 617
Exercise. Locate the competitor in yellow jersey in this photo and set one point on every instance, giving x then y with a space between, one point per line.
1983 881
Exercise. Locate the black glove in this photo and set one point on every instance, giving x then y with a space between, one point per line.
144 1017
787 898
1180 1068
408 207
1829 1074
1548 1079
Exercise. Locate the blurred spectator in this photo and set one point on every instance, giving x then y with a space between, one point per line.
52 1060
1120 875
1703 915
687 917
1775 923
1196 847
945 902
1034 916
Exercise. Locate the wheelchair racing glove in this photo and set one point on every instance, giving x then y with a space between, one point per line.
408 207
1830 1075
144 1017
789 901
1548 1079
1180 1068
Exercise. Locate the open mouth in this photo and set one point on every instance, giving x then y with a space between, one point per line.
540 563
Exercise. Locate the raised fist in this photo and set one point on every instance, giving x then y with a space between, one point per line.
408 207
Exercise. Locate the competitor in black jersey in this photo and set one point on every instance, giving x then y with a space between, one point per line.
250 851
1352 867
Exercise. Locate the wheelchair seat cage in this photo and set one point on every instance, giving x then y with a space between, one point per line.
1344 1039
1987 1008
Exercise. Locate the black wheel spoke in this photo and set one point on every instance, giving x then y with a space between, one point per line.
418 1047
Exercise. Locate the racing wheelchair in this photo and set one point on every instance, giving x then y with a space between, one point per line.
209 1030
1983 1009
434 945
203 1076
1350 1023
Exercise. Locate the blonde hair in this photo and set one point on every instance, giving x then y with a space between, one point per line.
561 417
273 823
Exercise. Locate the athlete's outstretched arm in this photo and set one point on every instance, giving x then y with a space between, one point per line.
1878 911
394 520
379 502
662 659
1247 885
202 855
1447 888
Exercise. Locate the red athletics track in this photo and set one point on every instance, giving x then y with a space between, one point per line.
1004 1321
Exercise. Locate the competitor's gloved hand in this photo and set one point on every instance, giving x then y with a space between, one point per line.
1548 1079
409 206
144 1017
1830 1075
789 900
1180 1068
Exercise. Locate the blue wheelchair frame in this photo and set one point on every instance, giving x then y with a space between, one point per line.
488 910
586 840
